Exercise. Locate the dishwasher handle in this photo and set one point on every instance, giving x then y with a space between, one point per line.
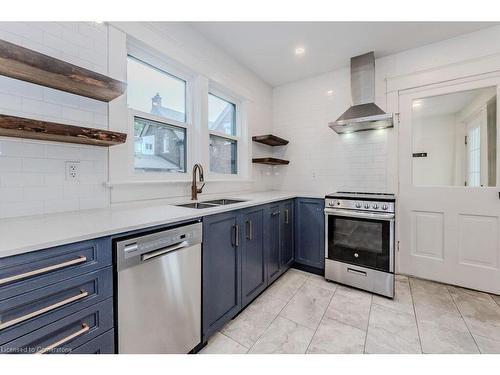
168 249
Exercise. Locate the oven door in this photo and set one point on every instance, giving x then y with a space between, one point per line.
360 238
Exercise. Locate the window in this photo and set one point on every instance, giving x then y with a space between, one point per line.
474 156
151 90
159 147
223 140
157 102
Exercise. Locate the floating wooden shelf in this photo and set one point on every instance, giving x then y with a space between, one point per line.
19 127
270 140
270 161
28 65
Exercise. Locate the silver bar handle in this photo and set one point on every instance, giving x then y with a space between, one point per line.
85 328
168 249
44 310
357 272
249 230
237 234
361 215
6 280
286 216
275 213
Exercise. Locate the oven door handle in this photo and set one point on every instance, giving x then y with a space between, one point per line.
359 214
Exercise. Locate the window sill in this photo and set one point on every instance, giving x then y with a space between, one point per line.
111 184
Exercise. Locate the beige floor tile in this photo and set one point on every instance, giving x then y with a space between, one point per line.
480 311
322 282
283 336
334 337
220 344
443 332
391 331
350 306
430 294
308 306
287 285
496 298
486 345
247 327
402 299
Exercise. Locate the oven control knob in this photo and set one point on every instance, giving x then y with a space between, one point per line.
375 206
385 207
331 204
367 205
358 205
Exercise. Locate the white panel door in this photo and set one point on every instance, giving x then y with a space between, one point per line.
448 232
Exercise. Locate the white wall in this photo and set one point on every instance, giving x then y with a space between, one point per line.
32 173
321 160
188 50
435 135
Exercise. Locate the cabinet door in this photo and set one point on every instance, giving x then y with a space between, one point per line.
221 270
253 257
286 248
310 232
273 257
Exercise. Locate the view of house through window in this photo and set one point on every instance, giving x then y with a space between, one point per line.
223 133
159 146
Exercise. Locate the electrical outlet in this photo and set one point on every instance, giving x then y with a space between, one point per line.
73 171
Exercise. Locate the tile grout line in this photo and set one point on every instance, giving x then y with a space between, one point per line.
321 320
272 321
465 321
230 338
368 324
415 315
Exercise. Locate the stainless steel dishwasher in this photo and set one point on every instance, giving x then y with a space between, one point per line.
159 291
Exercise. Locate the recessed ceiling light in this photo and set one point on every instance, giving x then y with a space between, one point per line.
299 51
329 92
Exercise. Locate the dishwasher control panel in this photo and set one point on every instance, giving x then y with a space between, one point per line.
130 250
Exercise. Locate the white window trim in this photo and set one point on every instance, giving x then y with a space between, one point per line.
240 137
151 57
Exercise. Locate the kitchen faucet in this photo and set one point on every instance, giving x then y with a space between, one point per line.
194 188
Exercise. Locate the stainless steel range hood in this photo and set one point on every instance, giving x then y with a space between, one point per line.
364 114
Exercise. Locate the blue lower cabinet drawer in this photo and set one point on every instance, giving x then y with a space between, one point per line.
22 273
27 312
104 344
66 334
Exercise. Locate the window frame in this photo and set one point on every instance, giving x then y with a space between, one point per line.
238 138
161 63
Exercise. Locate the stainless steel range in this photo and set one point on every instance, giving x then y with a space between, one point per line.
359 240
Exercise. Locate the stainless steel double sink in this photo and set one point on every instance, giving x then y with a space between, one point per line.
210 204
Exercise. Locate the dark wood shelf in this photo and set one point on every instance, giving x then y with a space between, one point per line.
270 140
270 161
19 127
27 65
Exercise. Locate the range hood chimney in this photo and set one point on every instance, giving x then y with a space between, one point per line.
364 114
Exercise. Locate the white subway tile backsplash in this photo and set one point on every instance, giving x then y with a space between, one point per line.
35 170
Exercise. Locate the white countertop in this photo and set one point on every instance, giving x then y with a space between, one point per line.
30 233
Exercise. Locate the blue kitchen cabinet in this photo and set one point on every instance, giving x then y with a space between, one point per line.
221 270
286 230
310 234
253 254
58 298
273 241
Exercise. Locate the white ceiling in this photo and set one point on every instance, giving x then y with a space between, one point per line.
267 48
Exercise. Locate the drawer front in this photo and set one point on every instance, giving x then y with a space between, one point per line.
66 334
22 273
25 313
104 344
